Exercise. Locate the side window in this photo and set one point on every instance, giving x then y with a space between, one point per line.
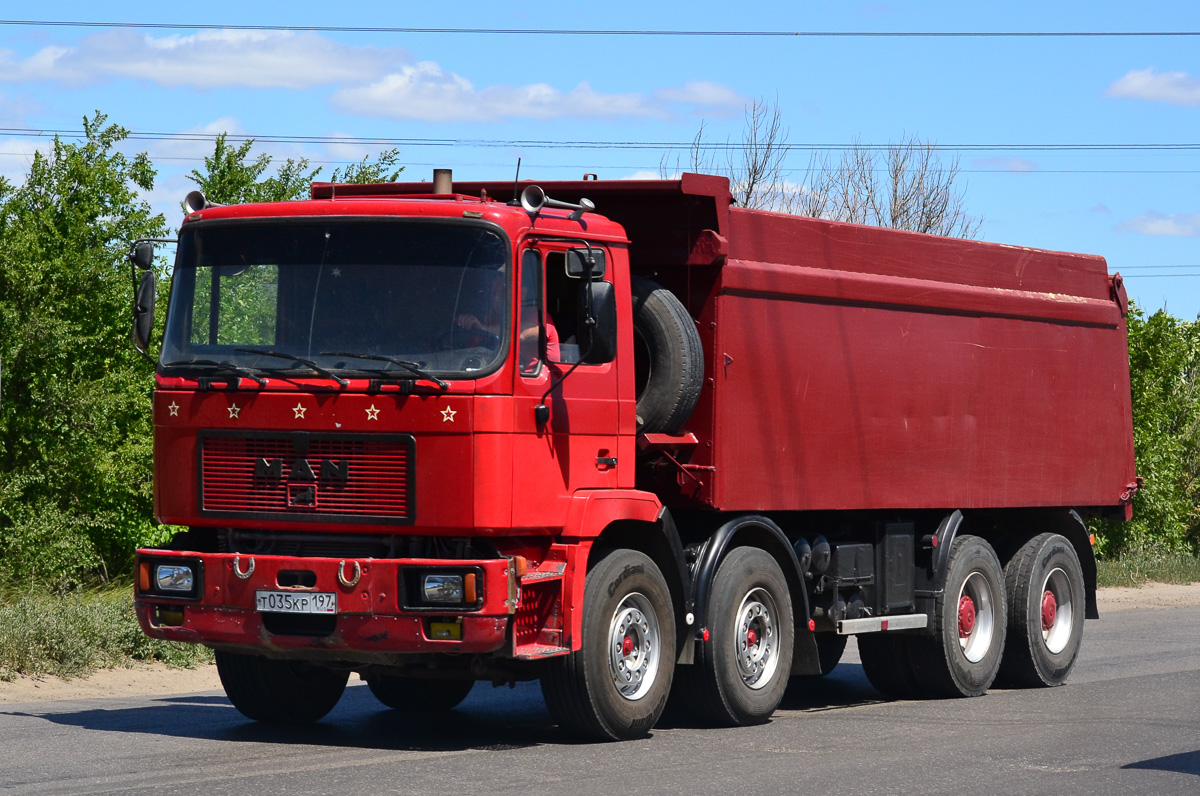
564 289
528 349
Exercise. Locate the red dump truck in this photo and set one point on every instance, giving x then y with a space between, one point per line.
629 440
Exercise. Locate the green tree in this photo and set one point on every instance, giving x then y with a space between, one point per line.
382 169
229 178
1164 365
75 433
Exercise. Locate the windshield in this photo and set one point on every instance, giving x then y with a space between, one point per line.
433 295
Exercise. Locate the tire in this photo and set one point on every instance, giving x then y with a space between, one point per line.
616 685
419 695
277 691
741 672
886 663
1044 586
963 656
830 647
668 359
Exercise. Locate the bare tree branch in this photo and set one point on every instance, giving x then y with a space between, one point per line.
906 187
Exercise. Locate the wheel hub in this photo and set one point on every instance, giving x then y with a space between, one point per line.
754 637
966 616
1049 610
633 647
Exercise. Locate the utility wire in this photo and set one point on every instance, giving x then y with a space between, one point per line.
830 34
654 166
547 144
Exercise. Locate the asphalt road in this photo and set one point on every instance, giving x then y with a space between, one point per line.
1128 721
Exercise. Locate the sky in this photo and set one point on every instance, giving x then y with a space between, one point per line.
1088 144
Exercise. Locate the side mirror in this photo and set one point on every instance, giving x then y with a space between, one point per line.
577 263
143 311
598 332
142 255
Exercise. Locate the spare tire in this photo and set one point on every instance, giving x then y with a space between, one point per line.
668 359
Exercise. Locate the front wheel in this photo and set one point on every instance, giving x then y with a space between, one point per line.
417 695
740 674
616 685
1044 585
970 617
278 691
886 663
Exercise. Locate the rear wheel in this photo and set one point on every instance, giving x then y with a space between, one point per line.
740 674
615 687
970 619
1044 586
278 691
419 695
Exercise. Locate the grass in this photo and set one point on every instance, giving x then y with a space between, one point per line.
71 634
1134 569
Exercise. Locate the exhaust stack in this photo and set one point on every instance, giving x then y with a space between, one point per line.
443 181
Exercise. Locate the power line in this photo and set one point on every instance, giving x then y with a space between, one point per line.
654 166
829 34
1160 267
632 145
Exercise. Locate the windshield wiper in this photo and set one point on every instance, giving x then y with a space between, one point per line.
411 367
329 374
227 367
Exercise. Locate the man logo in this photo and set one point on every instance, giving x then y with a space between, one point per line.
302 482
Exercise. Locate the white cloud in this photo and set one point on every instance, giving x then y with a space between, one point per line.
371 81
1005 164
1176 88
648 175
210 59
426 92
1153 223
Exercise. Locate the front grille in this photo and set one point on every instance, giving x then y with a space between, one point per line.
348 478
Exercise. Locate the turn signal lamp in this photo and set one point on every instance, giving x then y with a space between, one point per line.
144 576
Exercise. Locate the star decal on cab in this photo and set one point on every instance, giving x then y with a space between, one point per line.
448 415
233 411
372 413
299 409
174 407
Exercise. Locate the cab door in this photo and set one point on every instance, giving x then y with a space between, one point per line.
576 448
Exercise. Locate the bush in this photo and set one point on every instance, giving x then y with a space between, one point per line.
71 633
1164 362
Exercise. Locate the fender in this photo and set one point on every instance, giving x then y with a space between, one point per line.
713 552
946 532
591 513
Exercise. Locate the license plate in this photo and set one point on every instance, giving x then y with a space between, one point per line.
286 602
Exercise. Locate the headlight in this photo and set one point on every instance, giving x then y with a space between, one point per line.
443 588
172 577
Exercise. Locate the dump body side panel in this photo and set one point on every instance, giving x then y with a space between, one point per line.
873 369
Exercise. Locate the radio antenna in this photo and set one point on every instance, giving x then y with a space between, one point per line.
516 179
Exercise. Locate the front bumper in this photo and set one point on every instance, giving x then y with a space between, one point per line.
375 618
